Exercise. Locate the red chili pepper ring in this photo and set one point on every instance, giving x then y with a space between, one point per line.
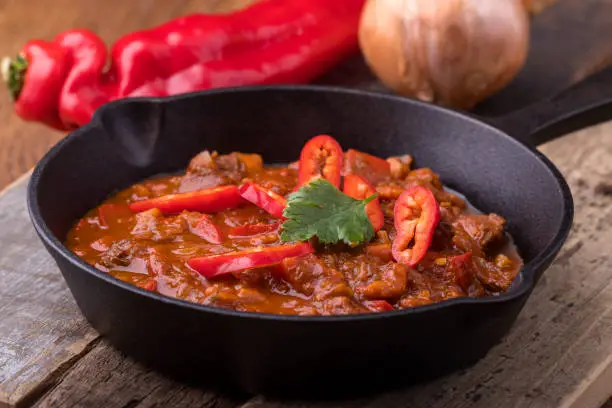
417 215
321 157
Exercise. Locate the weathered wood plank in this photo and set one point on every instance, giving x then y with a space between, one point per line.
113 380
41 331
559 353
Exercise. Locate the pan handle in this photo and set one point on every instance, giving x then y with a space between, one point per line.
587 103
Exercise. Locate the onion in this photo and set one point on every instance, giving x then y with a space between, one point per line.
451 52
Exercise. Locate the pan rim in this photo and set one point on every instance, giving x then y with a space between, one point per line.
528 270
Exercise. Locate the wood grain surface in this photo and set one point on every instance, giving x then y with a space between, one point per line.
116 381
41 331
558 354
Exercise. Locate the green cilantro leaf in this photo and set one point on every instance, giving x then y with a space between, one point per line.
320 209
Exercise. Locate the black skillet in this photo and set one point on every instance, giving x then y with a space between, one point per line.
496 168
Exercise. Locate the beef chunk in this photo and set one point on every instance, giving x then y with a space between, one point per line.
340 305
152 225
492 277
400 166
231 167
157 265
389 282
418 292
194 182
472 233
372 168
208 170
389 191
310 276
423 177
202 163
120 253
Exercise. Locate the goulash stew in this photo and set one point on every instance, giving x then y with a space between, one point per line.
337 232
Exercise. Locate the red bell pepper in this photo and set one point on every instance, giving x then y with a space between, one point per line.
269 42
42 66
207 201
461 267
82 93
321 157
378 305
266 199
372 168
108 213
216 265
205 228
417 215
252 229
357 187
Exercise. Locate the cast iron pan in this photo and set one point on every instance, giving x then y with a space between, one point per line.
492 164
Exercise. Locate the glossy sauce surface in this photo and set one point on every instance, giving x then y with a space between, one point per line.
151 250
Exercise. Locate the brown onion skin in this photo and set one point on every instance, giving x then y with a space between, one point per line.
451 52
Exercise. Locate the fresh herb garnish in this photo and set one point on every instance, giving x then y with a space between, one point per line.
320 209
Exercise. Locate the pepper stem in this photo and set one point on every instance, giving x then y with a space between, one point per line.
13 73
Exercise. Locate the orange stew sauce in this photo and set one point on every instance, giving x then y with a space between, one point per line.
466 255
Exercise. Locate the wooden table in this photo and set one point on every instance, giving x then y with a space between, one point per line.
558 354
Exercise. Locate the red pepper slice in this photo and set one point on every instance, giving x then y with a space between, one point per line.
417 215
209 200
321 157
273 203
108 213
378 305
357 187
149 284
252 229
206 229
461 267
216 265
372 168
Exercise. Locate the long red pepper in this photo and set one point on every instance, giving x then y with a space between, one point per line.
214 265
270 42
209 200
266 199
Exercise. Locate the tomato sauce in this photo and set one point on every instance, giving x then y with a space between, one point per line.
470 255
